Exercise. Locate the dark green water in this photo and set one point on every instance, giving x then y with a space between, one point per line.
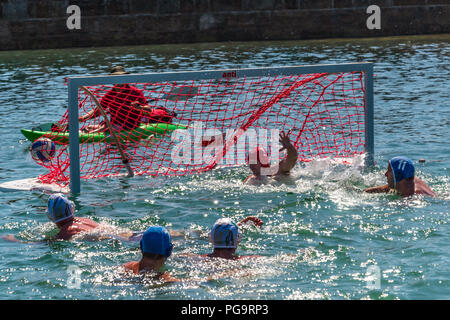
320 234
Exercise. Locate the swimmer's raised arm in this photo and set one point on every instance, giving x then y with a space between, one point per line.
258 222
289 162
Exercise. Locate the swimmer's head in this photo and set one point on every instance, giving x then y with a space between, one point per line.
157 240
225 234
258 158
60 208
399 168
117 70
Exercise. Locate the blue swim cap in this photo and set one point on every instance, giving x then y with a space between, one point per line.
59 208
402 168
225 234
157 240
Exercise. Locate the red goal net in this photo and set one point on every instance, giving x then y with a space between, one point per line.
155 122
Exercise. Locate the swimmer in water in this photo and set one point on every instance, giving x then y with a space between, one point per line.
156 246
61 212
400 179
262 161
225 237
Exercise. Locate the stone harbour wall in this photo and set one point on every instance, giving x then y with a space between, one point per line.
42 24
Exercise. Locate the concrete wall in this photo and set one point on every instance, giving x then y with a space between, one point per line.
36 24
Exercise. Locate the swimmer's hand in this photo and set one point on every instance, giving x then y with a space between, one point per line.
10 237
256 221
167 277
289 162
284 140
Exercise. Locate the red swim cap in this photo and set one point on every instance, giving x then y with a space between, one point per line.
260 154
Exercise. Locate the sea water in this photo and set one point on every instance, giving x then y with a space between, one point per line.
322 238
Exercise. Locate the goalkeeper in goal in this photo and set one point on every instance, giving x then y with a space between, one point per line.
262 162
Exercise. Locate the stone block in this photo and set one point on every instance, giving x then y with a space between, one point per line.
15 10
202 5
343 4
226 5
116 7
364 3
143 6
316 4
187 6
258 4
434 2
5 33
90 7
128 22
291 4
410 2
169 6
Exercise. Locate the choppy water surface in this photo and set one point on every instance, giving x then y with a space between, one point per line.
321 234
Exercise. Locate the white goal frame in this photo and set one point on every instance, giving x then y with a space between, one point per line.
74 83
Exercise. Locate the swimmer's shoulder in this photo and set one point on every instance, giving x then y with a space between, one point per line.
80 228
132 266
420 187
86 222
68 232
